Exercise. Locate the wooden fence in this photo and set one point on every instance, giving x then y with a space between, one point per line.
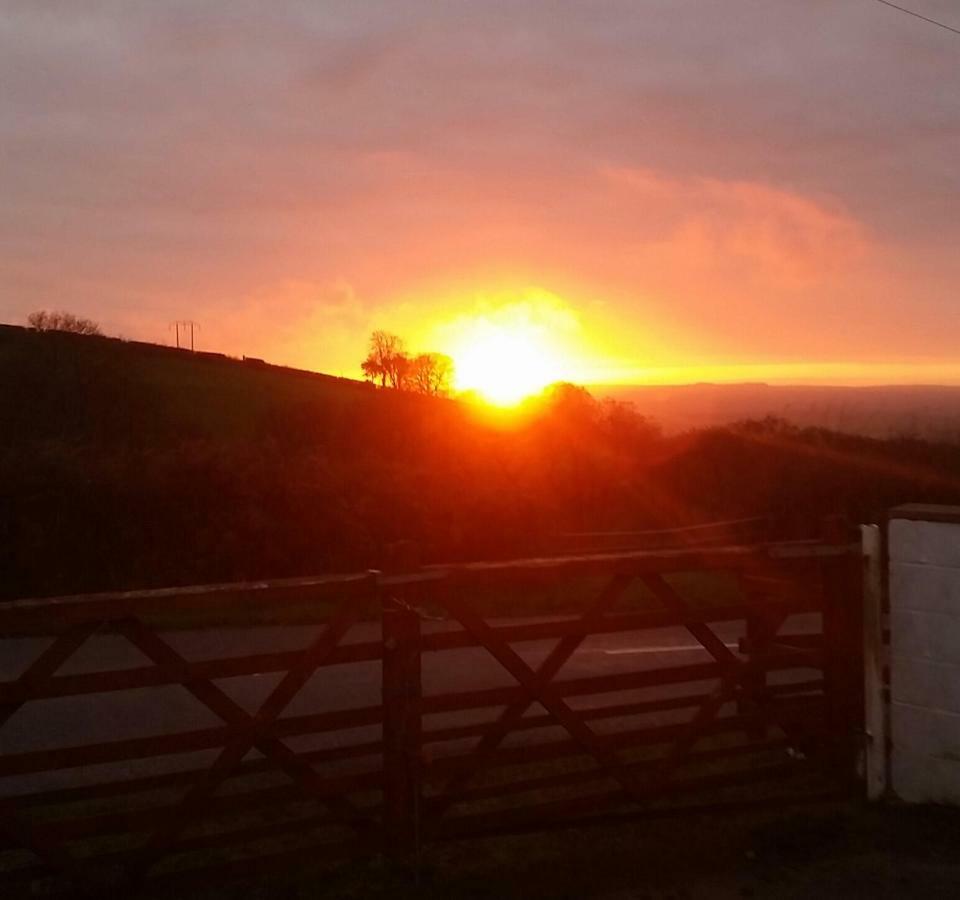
753 530
382 712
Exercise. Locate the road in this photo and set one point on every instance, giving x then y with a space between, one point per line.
72 721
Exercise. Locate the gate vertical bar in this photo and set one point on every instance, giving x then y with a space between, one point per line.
874 660
843 652
755 680
401 724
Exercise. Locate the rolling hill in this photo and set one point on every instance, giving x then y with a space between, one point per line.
126 465
931 412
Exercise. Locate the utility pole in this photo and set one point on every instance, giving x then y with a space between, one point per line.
191 324
184 324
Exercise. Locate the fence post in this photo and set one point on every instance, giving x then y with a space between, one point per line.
874 660
843 650
755 682
401 687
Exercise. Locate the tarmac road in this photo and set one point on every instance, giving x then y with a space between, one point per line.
72 721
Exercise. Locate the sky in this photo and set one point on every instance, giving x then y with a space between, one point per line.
669 190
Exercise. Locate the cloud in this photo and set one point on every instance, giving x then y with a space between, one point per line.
767 234
676 168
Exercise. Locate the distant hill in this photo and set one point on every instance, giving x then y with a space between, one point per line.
925 411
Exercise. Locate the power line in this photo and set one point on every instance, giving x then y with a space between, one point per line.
917 15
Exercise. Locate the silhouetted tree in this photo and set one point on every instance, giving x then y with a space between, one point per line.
387 362
431 373
62 321
570 403
630 430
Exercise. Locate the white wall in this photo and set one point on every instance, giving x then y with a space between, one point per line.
924 548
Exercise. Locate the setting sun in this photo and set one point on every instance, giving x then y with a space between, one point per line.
512 344
505 365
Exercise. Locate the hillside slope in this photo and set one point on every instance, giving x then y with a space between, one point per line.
129 465
125 465
75 387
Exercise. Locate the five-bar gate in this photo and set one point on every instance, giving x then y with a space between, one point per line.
187 733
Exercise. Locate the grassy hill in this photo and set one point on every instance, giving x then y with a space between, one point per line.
126 465
133 465
77 387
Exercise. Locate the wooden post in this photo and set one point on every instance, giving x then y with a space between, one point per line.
874 659
401 723
843 652
753 645
755 683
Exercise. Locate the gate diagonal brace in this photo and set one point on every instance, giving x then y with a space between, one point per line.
233 753
37 675
153 646
553 703
703 633
543 675
735 674
45 666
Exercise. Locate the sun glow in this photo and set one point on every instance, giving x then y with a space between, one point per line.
505 364
508 344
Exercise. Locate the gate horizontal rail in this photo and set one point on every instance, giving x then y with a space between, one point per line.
266 781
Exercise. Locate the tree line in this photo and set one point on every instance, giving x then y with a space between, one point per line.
42 320
390 365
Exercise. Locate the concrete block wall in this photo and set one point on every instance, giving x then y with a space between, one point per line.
924 550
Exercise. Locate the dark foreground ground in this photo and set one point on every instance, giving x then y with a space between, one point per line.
822 852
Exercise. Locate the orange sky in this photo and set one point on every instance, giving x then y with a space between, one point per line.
665 191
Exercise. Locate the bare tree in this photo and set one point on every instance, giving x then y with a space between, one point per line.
61 321
387 362
400 370
431 373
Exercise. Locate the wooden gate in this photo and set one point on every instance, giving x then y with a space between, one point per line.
429 705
